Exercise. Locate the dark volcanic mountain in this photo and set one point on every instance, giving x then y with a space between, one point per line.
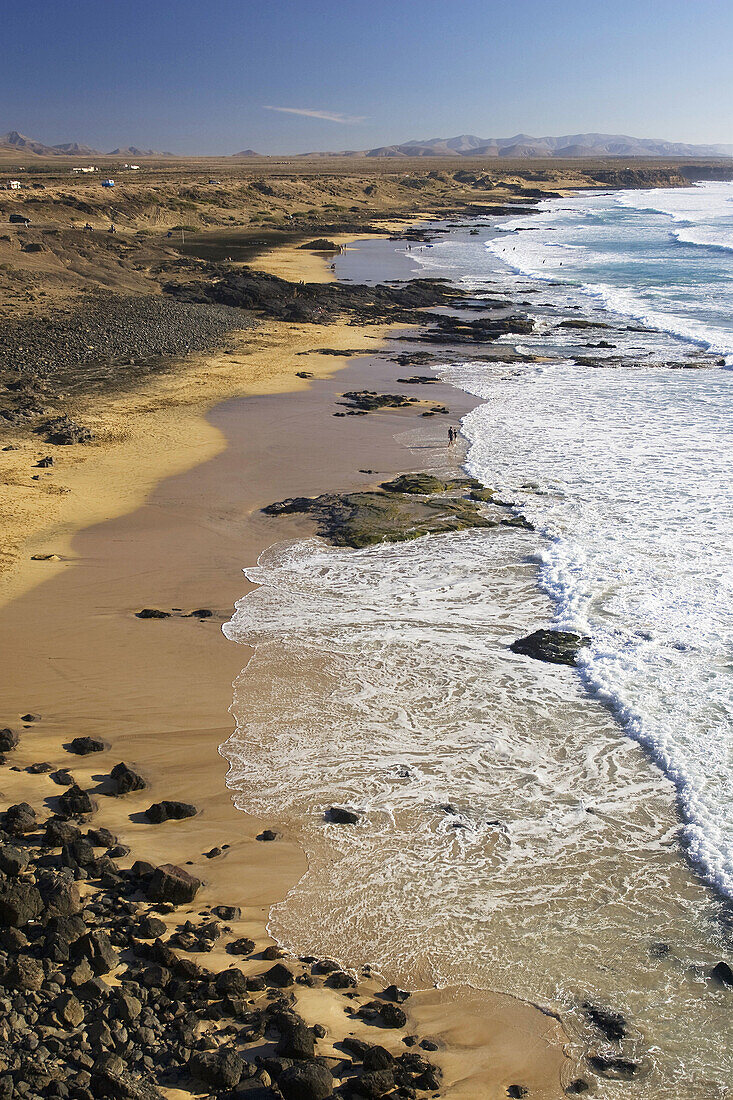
14 142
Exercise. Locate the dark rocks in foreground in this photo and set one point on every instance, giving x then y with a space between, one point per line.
557 647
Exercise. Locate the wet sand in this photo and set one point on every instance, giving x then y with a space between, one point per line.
158 691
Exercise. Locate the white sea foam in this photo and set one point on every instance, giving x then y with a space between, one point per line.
505 814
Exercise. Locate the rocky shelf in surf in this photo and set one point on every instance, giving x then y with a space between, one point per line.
408 507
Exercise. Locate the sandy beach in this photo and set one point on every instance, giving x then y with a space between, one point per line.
164 514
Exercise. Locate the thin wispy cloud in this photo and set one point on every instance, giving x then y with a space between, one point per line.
312 112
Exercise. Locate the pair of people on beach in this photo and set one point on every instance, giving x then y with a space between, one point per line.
452 436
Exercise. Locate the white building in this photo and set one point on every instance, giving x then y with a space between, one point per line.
89 168
14 185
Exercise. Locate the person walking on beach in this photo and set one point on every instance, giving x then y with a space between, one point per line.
451 436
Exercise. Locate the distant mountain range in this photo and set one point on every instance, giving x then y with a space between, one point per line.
571 145
466 145
13 142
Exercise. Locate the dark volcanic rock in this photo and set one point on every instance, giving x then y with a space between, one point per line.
279 975
321 245
366 518
617 1069
8 740
111 1081
610 1024
374 1084
76 803
558 647
169 811
242 946
82 746
319 303
722 974
173 884
221 1069
339 815
19 819
296 1038
307 1081
126 780
64 432
96 948
392 1016
13 860
152 613
231 983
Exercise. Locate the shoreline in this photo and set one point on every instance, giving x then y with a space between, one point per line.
160 497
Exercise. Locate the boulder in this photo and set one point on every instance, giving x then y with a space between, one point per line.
110 1079
296 1038
97 948
306 1081
169 811
126 780
339 815
68 1010
171 883
220 1069
8 740
13 861
377 1057
63 431
19 903
242 946
25 974
231 983
279 975
227 912
374 1084
76 803
394 993
611 1024
19 819
616 1069
722 974
101 838
557 647
149 927
267 834
392 1016
152 613
82 746
60 832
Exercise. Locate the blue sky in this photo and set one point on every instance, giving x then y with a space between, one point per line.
197 77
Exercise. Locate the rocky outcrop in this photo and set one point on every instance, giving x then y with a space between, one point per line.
363 519
169 810
557 647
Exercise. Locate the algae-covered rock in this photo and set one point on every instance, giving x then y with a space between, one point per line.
558 647
405 508
427 485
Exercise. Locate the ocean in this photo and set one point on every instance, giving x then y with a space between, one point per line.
565 836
